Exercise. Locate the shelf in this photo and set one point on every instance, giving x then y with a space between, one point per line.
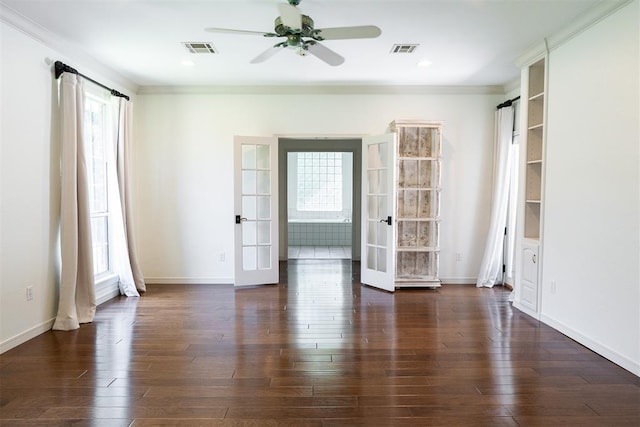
534 160
532 220
536 78
417 235
536 96
417 173
417 249
536 112
413 280
426 159
417 203
414 265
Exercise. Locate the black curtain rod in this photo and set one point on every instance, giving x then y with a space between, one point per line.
61 67
508 103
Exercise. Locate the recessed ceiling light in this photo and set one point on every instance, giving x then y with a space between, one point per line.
187 63
424 63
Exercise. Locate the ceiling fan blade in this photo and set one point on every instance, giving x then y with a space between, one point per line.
267 54
341 33
230 31
324 53
290 16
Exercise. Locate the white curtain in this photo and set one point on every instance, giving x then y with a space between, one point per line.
510 244
491 266
133 282
77 300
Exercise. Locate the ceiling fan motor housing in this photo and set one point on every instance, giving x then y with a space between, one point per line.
294 35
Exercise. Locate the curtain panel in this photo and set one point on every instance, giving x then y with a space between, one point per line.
131 278
77 299
491 266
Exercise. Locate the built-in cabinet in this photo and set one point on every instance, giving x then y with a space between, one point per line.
534 145
532 152
417 203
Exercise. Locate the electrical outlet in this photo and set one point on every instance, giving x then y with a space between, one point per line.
222 257
29 293
458 256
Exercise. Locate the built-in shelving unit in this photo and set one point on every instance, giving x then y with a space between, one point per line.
535 144
532 196
417 189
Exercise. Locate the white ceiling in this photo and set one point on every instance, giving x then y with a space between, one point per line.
468 42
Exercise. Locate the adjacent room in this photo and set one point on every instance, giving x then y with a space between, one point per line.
319 213
320 205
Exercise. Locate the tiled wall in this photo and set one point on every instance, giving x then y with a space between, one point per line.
319 234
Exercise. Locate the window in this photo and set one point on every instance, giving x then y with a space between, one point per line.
319 182
97 120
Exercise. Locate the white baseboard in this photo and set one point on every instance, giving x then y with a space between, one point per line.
25 336
458 280
603 350
108 292
188 280
106 296
526 310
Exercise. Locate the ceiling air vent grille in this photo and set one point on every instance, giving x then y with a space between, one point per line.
404 48
200 47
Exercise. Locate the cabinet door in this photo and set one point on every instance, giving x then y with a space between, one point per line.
530 277
377 265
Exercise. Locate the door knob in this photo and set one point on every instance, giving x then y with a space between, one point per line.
388 220
240 219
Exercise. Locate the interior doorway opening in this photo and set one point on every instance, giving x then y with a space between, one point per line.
319 195
320 180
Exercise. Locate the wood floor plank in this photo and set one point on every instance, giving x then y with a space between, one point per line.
319 349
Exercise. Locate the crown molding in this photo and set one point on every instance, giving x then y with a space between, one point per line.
72 53
512 87
579 25
321 90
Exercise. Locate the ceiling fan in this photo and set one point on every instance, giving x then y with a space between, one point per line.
301 36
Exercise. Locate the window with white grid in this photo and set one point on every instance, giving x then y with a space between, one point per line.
319 182
96 131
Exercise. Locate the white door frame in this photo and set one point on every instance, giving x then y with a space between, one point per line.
347 144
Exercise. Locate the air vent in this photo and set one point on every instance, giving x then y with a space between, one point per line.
200 47
404 48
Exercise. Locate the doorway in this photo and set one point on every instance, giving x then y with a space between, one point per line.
320 199
319 224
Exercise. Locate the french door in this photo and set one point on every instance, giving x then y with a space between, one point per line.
378 248
256 210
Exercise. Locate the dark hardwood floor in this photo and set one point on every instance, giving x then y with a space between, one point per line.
317 350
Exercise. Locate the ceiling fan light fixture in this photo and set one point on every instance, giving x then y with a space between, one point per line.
301 36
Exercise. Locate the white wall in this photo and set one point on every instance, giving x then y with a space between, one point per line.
184 169
591 236
29 185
